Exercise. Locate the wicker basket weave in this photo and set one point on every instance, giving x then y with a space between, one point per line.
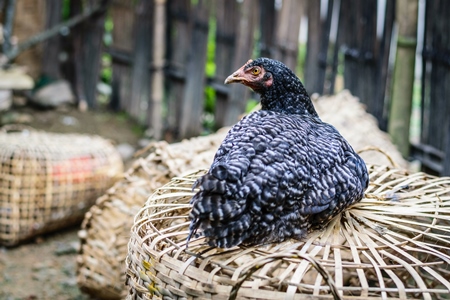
393 244
48 181
106 228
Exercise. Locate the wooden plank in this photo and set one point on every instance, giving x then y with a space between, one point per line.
122 14
155 111
2 6
88 45
238 94
437 51
52 46
227 15
431 158
287 32
93 48
446 162
353 56
140 75
335 45
313 66
77 56
360 44
178 43
435 86
317 46
383 72
267 22
193 96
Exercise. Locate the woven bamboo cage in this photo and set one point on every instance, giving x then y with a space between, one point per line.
48 181
106 228
393 244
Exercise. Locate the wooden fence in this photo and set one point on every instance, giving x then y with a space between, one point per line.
160 55
434 147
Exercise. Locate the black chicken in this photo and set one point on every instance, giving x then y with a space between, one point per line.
280 171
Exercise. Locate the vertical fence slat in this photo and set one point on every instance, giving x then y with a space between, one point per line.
227 16
179 35
336 47
88 51
155 109
267 23
122 14
78 55
140 75
317 46
193 96
437 52
52 46
436 83
446 162
359 38
383 72
93 49
288 29
238 94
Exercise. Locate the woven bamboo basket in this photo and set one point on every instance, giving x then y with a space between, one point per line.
106 228
48 181
393 244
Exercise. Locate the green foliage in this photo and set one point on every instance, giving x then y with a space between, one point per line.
341 63
109 25
301 59
415 125
138 130
211 49
210 70
122 116
66 10
251 104
210 99
106 71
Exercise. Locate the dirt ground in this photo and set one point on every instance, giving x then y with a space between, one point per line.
45 268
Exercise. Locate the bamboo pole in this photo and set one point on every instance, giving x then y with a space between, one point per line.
159 49
402 92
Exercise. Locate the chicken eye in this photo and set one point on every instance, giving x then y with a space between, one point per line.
256 71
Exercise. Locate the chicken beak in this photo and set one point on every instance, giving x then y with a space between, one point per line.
237 76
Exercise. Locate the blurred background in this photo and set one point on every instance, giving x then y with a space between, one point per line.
162 63
141 71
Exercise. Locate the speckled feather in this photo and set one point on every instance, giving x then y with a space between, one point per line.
279 173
